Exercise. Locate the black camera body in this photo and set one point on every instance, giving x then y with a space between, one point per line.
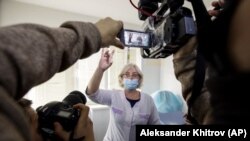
171 26
62 112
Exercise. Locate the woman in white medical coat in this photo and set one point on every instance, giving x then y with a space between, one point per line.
129 107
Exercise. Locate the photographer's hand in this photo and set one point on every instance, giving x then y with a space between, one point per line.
60 132
84 127
83 130
108 34
217 6
106 59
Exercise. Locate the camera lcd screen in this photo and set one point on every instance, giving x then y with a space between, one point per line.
132 38
64 114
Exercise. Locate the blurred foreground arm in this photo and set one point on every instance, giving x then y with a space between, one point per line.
31 54
239 43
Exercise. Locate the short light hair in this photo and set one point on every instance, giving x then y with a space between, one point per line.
125 69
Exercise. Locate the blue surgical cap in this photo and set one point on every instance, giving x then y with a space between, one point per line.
167 101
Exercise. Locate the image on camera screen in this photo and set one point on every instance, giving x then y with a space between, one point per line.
136 39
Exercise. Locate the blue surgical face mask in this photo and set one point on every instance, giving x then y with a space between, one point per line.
130 84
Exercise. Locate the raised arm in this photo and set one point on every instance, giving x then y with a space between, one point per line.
104 63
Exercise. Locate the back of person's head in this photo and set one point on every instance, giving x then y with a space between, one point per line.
26 105
167 101
32 117
170 107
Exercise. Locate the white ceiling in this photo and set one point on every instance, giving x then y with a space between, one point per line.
117 9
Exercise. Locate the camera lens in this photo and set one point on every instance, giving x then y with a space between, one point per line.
75 97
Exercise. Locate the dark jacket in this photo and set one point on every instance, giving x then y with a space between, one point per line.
184 68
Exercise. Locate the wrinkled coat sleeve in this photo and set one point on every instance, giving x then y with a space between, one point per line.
184 68
30 54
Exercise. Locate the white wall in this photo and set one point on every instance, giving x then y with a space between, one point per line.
159 75
16 12
151 74
100 118
168 79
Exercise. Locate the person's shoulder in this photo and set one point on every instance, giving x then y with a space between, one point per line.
147 98
143 93
116 91
146 95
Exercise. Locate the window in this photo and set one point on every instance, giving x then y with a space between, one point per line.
78 76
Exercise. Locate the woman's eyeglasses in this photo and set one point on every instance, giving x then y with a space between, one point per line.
126 75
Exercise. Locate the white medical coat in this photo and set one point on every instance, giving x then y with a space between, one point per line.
123 117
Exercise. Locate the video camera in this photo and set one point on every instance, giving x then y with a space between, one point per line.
62 112
171 25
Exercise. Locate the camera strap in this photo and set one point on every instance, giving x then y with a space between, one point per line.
199 77
202 20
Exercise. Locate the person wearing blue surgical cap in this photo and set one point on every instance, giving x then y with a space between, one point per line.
170 107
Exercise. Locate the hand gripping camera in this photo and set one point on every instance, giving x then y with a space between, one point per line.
62 112
171 25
